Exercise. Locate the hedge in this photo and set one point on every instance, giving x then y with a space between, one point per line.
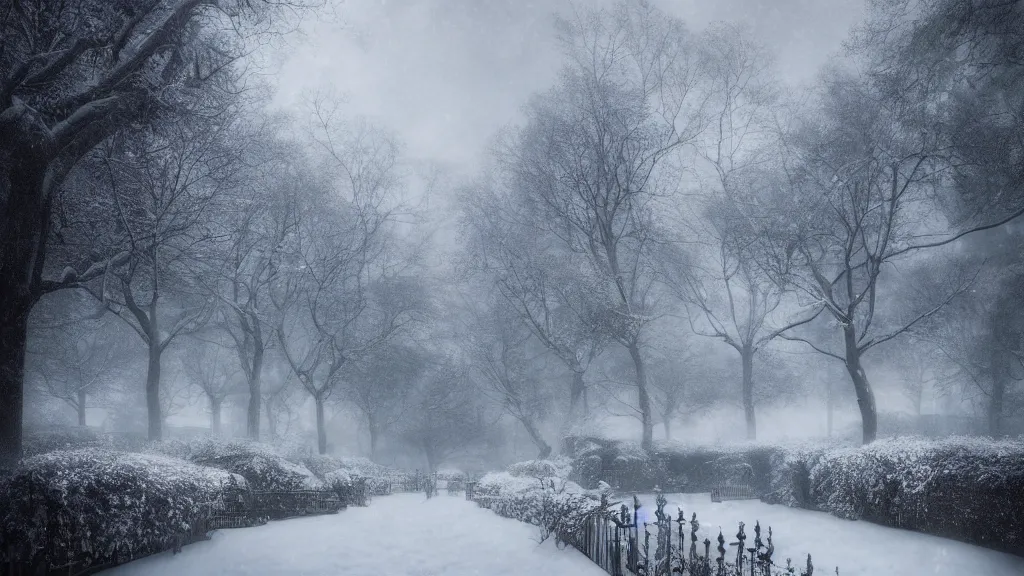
260 464
969 489
98 506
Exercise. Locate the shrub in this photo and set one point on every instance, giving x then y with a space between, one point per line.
44 440
557 507
557 468
351 490
97 506
262 466
378 479
964 488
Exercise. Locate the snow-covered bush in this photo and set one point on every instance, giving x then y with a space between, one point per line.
98 506
557 468
351 490
44 440
378 478
558 507
970 489
261 465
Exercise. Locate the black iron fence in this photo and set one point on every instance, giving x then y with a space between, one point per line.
733 492
623 545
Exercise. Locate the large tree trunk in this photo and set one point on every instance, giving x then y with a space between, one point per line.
252 427
667 423
543 447
374 435
861 385
271 421
643 399
13 335
747 354
153 388
321 429
80 407
577 388
24 226
215 415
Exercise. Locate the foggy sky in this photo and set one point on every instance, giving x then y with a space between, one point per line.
445 75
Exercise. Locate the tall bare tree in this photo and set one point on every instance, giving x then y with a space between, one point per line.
597 149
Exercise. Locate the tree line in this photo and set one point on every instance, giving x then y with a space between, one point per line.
668 193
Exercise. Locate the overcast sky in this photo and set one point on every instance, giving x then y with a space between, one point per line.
445 75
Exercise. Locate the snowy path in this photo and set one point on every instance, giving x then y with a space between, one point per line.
400 535
857 548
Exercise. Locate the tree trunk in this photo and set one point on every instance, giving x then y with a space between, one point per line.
80 407
374 436
153 388
861 385
321 429
538 440
252 425
215 415
577 388
747 354
13 334
668 427
643 399
24 227
271 422
830 406
995 406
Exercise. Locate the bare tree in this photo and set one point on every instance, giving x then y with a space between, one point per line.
858 180
596 150
497 346
208 366
535 281
380 384
76 364
708 264
259 218
345 293
446 418
162 185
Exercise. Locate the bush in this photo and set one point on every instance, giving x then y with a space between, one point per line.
557 468
44 440
969 489
262 466
98 506
557 507
351 490
378 479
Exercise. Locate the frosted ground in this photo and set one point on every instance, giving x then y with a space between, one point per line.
407 535
858 548
398 535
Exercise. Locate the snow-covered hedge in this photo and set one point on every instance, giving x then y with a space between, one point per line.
99 506
352 490
556 506
44 440
260 464
970 489
558 468
377 478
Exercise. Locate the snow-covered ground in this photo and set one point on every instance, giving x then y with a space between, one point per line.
400 535
857 548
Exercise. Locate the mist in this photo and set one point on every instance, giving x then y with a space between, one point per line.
408 242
